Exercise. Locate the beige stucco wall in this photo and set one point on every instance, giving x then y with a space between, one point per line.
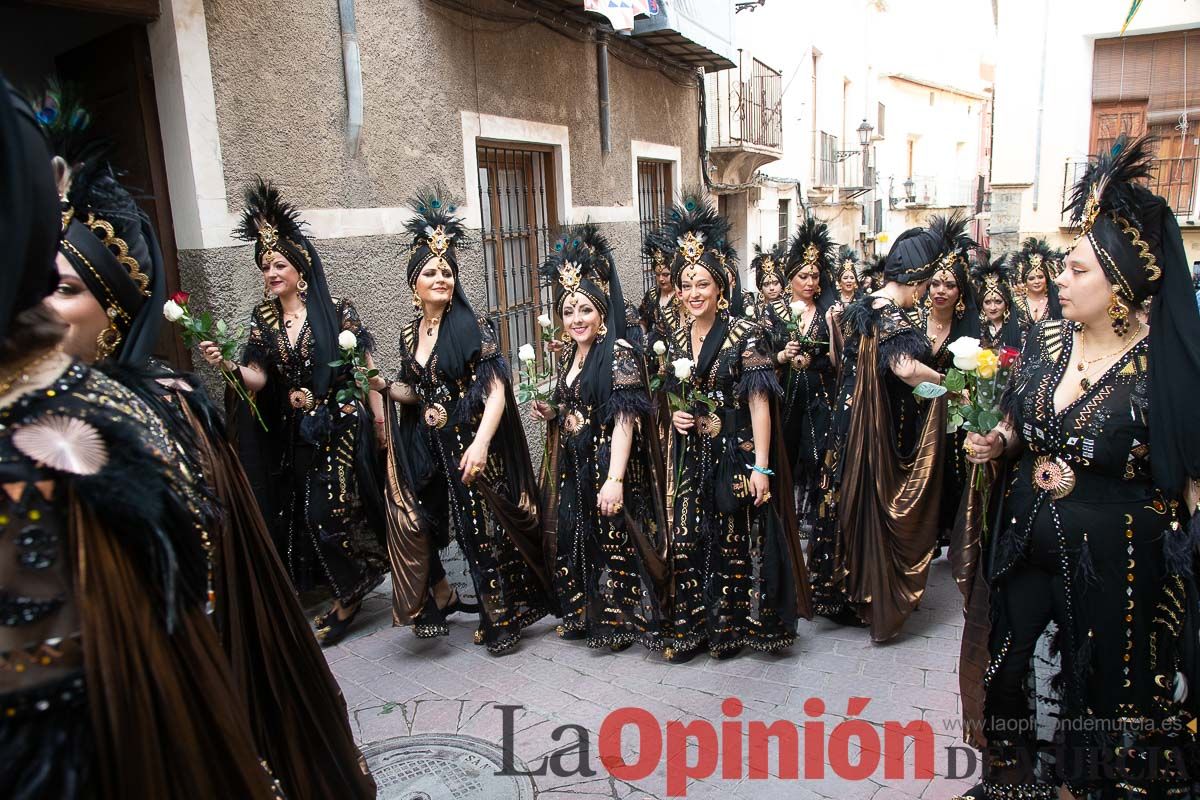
277 70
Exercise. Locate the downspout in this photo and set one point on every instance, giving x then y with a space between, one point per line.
1037 144
353 67
602 84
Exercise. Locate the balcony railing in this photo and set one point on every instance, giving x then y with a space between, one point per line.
1173 179
935 192
749 107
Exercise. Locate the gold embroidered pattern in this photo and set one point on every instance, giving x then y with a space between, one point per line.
108 237
1153 271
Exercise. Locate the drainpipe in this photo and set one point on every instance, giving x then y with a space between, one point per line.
353 67
602 81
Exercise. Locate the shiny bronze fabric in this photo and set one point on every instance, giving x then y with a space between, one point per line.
889 505
165 713
968 563
297 712
408 540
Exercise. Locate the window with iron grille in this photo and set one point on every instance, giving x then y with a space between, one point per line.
654 202
517 204
783 220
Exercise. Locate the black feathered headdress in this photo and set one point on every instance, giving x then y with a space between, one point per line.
1035 254
701 237
990 276
437 231
274 226
768 264
111 245
658 249
1137 242
811 245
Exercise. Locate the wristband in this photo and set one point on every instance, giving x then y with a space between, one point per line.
615 479
762 470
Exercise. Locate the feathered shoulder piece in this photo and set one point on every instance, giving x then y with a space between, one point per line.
267 218
1110 184
695 226
435 222
811 244
950 231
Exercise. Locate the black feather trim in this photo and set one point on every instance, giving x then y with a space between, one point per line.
759 383
812 231
1179 548
487 372
696 214
860 317
908 343
628 404
1085 567
366 339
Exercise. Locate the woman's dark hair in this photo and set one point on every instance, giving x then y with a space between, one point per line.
32 330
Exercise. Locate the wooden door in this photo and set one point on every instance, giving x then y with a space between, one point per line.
1110 120
115 76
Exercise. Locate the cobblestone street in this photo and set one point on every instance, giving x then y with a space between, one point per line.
396 685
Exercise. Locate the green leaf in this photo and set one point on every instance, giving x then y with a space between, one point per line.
222 327
930 390
337 363
371 373
954 381
988 420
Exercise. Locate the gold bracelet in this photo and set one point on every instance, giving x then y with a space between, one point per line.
616 479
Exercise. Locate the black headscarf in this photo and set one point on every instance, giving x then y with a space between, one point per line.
811 244
580 263
30 223
110 243
275 226
438 234
1036 255
954 252
1139 246
912 257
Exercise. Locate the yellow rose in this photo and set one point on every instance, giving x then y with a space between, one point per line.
989 362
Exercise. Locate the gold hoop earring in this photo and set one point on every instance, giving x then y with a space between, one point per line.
1118 312
960 308
107 341
302 285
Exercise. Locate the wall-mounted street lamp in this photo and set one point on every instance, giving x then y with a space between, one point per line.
909 194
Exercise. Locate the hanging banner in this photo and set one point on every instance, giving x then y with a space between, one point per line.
620 13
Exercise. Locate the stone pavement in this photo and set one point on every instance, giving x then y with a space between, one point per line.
397 685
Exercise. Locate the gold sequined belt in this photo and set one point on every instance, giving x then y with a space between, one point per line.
1054 476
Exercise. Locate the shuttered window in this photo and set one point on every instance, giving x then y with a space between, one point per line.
1162 71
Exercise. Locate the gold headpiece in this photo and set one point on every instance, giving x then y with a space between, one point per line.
438 241
768 269
117 246
568 277
811 254
1091 210
848 265
268 238
691 246
991 285
1035 260
659 260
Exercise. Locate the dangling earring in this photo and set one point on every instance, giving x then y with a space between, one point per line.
1118 312
960 308
1006 313
267 296
107 341
916 296
416 301
302 287
565 337
602 331
722 304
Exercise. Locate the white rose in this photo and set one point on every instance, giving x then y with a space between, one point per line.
172 311
347 340
798 308
545 321
966 352
526 353
683 368
660 347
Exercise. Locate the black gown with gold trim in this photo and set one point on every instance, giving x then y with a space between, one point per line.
608 572
113 683
738 576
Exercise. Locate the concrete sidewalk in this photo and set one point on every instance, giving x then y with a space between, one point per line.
398 686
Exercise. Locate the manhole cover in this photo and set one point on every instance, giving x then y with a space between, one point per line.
444 767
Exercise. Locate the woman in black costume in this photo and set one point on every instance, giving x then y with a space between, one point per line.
881 480
998 324
1093 532
314 464
950 311
113 310
738 575
1038 298
799 333
606 533
458 461
768 272
104 639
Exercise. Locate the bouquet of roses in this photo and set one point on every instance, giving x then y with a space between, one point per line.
361 374
973 387
196 328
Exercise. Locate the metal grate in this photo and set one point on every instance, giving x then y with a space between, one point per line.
654 202
517 201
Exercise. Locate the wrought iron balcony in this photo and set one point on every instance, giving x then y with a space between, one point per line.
933 191
745 120
1173 179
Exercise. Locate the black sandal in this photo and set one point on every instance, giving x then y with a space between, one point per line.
337 630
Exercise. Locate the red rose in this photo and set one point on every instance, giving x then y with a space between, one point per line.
180 298
1009 356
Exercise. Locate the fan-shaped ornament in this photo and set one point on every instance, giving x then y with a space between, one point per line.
64 444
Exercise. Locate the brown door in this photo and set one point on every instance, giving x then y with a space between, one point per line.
114 74
1110 120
